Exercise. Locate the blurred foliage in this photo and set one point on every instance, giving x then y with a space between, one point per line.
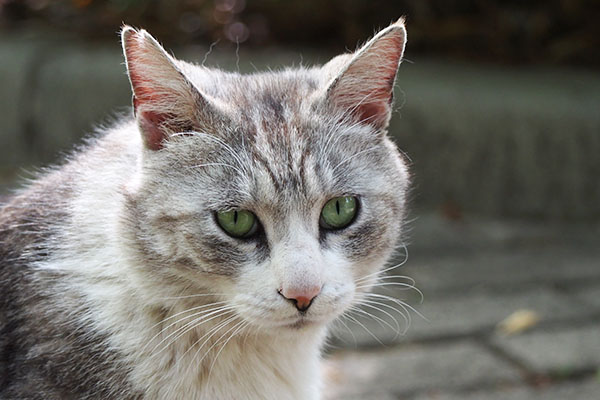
506 31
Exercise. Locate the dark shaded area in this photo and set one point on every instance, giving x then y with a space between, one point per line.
531 32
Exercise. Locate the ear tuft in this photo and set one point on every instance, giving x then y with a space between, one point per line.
364 88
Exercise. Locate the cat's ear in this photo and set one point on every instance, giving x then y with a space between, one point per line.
364 87
165 102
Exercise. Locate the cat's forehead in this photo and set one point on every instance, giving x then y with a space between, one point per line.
261 91
281 149
296 165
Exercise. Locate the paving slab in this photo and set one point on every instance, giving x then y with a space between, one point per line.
558 351
498 254
443 233
504 269
459 315
587 390
590 296
411 369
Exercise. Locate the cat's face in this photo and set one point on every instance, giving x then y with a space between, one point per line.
279 193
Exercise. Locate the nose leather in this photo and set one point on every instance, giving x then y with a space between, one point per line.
301 297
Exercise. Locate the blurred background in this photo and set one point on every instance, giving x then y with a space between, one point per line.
498 112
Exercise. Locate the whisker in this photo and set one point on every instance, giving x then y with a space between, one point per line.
241 325
400 264
181 331
374 304
207 335
215 343
192 295
192 315
379 320
248 331
408 278
345 325
186 311
402 312
399 302
403 286
365 328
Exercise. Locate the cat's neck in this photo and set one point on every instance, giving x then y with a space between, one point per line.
227 366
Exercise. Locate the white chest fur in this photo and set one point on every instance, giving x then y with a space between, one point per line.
242 366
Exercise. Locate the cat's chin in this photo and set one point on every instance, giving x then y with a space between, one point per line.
304 323
296 324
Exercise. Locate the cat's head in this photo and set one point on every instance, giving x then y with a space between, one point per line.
279 193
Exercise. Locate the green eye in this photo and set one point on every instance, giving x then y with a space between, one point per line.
237 223
338 212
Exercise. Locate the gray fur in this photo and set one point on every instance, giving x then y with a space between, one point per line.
128 223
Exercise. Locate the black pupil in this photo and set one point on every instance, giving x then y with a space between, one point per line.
235 217
337 206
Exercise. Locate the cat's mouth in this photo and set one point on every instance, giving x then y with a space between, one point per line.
302 322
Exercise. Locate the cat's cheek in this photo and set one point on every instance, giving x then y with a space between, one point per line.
254 293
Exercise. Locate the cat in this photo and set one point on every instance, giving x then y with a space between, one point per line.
201 248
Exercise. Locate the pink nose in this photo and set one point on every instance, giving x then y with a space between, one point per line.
301 297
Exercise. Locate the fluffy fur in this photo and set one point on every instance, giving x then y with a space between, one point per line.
116 280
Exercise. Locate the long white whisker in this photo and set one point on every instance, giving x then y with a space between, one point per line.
402 312
192 315
365 328
207 352
406 313
187 311
379 320
193 295
405 286
388 284
182 330
374 305
384 270
345 325
241 325
387 277
207 335
399 302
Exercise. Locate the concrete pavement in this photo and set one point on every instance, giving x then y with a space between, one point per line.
474 273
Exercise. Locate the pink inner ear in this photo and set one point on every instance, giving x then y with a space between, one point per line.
159 99
366 87
151 126
143 92
373 112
